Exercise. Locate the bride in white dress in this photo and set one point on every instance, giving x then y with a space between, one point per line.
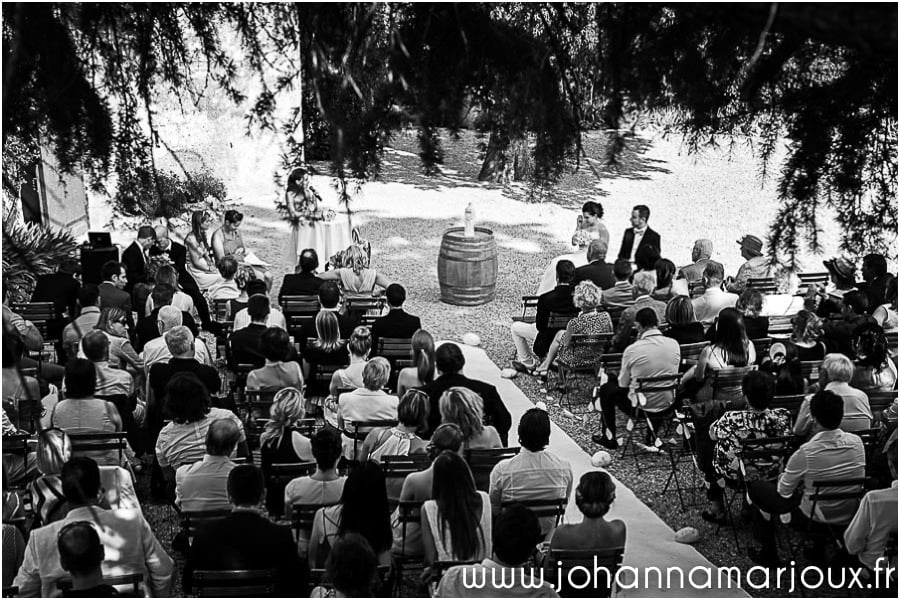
587 227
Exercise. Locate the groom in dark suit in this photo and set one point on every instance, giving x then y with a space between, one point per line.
134 257
639 232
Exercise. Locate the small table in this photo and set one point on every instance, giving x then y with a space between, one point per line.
325 237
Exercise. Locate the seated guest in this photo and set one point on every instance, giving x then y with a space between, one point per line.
756 267
838 332
110 381
875 370
157 351
81 554
80 412
114 324
89 301
326 349
713 300
18 468
397 323
683 326
645 260
750 304
666 286
237 306
783 363
620 294
112 289
729 347
282 442
886 314
203 485
826 301
369 403
651 355
278 372
181 345
402 438
325 486
177 254
352 568
587 297
450 361
463 407
830 454
423 356
594 496
246 539
17 388
876 519
643 284
26 330
304 281
129 543
226 288
356 276
597 270
351 376
700 254
735 426
835 373
183 440
533 340
363 510
806 334
785 299
54 449
456 521
60 288
148 327
329 301
168 275
243 344
533 474
876 280
515 533
275 317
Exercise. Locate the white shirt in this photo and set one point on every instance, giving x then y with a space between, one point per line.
857 413
713 300
638 236
531 476
156 351
365 405
867 534
276 319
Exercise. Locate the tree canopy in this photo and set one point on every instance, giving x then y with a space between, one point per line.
820 78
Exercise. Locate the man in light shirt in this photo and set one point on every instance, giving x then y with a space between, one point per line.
129 543
157 351
204 484
713 300
652 355
875 520
831 454
835 373
87 319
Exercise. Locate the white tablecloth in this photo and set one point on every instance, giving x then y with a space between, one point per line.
326 238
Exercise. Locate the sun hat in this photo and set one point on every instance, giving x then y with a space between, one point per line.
751 243
840 266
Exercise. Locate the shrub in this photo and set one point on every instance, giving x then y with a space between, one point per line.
31 250
137 194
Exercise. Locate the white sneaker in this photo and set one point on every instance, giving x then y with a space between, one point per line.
645 448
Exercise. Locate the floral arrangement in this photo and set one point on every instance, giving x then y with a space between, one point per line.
581 238
155 263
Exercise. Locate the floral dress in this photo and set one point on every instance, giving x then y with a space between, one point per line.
591 323
739 425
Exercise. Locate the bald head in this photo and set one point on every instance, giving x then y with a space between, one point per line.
597 250
168 318
162 232
222 437
702 250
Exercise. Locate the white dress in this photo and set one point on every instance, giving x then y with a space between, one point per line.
548 279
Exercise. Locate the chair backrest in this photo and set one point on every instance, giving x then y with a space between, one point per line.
761 346
765 285
248 583
869 439
610 362
407 513
482 460
593 344
891 337
842 491
697 289
658 384
302 516
36 312
559 320
790 403
305 305
193 520
605 563
99 442
809 369
392 348
358 430
766 456
690 353
543 507
365 303
726 383
781 324
398 467
529 305
222 310
282 473
878 401
615 313
807 279
132 579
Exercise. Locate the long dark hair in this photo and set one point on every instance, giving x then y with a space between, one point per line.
459 505
731 336
423 353
789 377
197 218
365 506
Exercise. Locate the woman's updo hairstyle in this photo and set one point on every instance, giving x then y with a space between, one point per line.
595 494
360 343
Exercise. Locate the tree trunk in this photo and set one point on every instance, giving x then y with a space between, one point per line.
506 160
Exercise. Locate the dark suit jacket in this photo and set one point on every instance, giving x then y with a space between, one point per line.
396 324
177 254
308 331
135 271
599 271
558 300
59 288
159 376
493 405
650 238
689 333
244 345
299 284
246 540
147 329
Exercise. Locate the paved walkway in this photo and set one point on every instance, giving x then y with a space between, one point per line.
651 543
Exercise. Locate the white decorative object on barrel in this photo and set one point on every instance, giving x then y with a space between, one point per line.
470 221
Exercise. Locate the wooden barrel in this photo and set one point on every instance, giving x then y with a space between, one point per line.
467 267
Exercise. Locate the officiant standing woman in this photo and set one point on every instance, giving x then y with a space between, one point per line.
312 226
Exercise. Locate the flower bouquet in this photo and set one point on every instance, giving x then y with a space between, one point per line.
581 238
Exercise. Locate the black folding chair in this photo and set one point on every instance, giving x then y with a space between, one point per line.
482 460
247 583
605 563
529 310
